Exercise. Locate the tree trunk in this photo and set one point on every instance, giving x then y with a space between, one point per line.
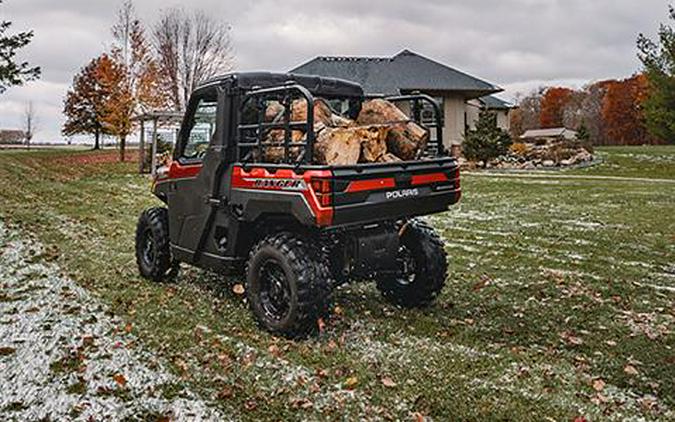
123 143
97 135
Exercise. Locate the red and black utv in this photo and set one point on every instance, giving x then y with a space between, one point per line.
298 229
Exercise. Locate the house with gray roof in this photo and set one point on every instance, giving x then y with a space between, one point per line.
462 96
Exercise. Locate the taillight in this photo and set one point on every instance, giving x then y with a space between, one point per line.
323 190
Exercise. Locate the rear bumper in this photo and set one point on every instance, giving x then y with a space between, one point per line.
378 206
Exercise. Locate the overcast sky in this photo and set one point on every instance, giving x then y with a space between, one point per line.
516 44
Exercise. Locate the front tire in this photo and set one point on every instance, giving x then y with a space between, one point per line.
153 252
288 287
422 268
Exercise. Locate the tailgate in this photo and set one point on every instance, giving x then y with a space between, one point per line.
374 192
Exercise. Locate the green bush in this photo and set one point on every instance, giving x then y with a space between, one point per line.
487 141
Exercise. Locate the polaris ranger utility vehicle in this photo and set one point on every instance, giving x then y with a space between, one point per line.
298 229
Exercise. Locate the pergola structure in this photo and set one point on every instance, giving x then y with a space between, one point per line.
157 117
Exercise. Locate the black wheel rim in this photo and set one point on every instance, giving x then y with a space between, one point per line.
148 249
275 291
407 266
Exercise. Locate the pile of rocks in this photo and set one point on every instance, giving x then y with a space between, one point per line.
526 156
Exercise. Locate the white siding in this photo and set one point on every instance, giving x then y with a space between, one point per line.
453 110
503 120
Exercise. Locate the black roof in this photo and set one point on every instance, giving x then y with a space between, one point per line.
317 85
406 71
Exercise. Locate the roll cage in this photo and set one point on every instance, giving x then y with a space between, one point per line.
250 136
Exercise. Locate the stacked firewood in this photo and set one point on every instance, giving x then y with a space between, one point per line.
380 133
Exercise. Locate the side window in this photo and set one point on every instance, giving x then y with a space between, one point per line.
203 126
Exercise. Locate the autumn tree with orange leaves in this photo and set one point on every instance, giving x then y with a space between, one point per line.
553 107
622 112
85 102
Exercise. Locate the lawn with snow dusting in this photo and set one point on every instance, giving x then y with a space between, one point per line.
560 304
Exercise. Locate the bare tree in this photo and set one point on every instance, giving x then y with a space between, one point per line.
191 47
122 31
529 109
29 122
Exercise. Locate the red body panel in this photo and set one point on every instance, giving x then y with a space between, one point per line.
259 178
176 170
287 180
425 179
371 184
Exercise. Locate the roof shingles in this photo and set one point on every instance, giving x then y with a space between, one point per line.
404 72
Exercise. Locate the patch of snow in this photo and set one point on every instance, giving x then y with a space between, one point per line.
66 357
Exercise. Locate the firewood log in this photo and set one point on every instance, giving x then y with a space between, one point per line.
337 147
322 112
405 139
348 146
273 154
274 111
373 143
389 158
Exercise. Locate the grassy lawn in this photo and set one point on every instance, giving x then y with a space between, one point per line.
560 301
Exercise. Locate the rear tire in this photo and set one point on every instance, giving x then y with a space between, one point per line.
423 263
153 252
288 286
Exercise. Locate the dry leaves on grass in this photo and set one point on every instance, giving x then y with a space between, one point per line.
274 350
120 380
598 385
238 289
388 382
484 281
302 403
351 383
225 393
571 339
630 370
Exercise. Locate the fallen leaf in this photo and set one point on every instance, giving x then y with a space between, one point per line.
351 382
418 417
5 351
483 282
225 360
630 370
571 338
337 310
610 343
332 345
388 382
302 403
238 289
120 379
248 359
250 405
321 324
598 385
225 393
128 327
274 350
647 403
